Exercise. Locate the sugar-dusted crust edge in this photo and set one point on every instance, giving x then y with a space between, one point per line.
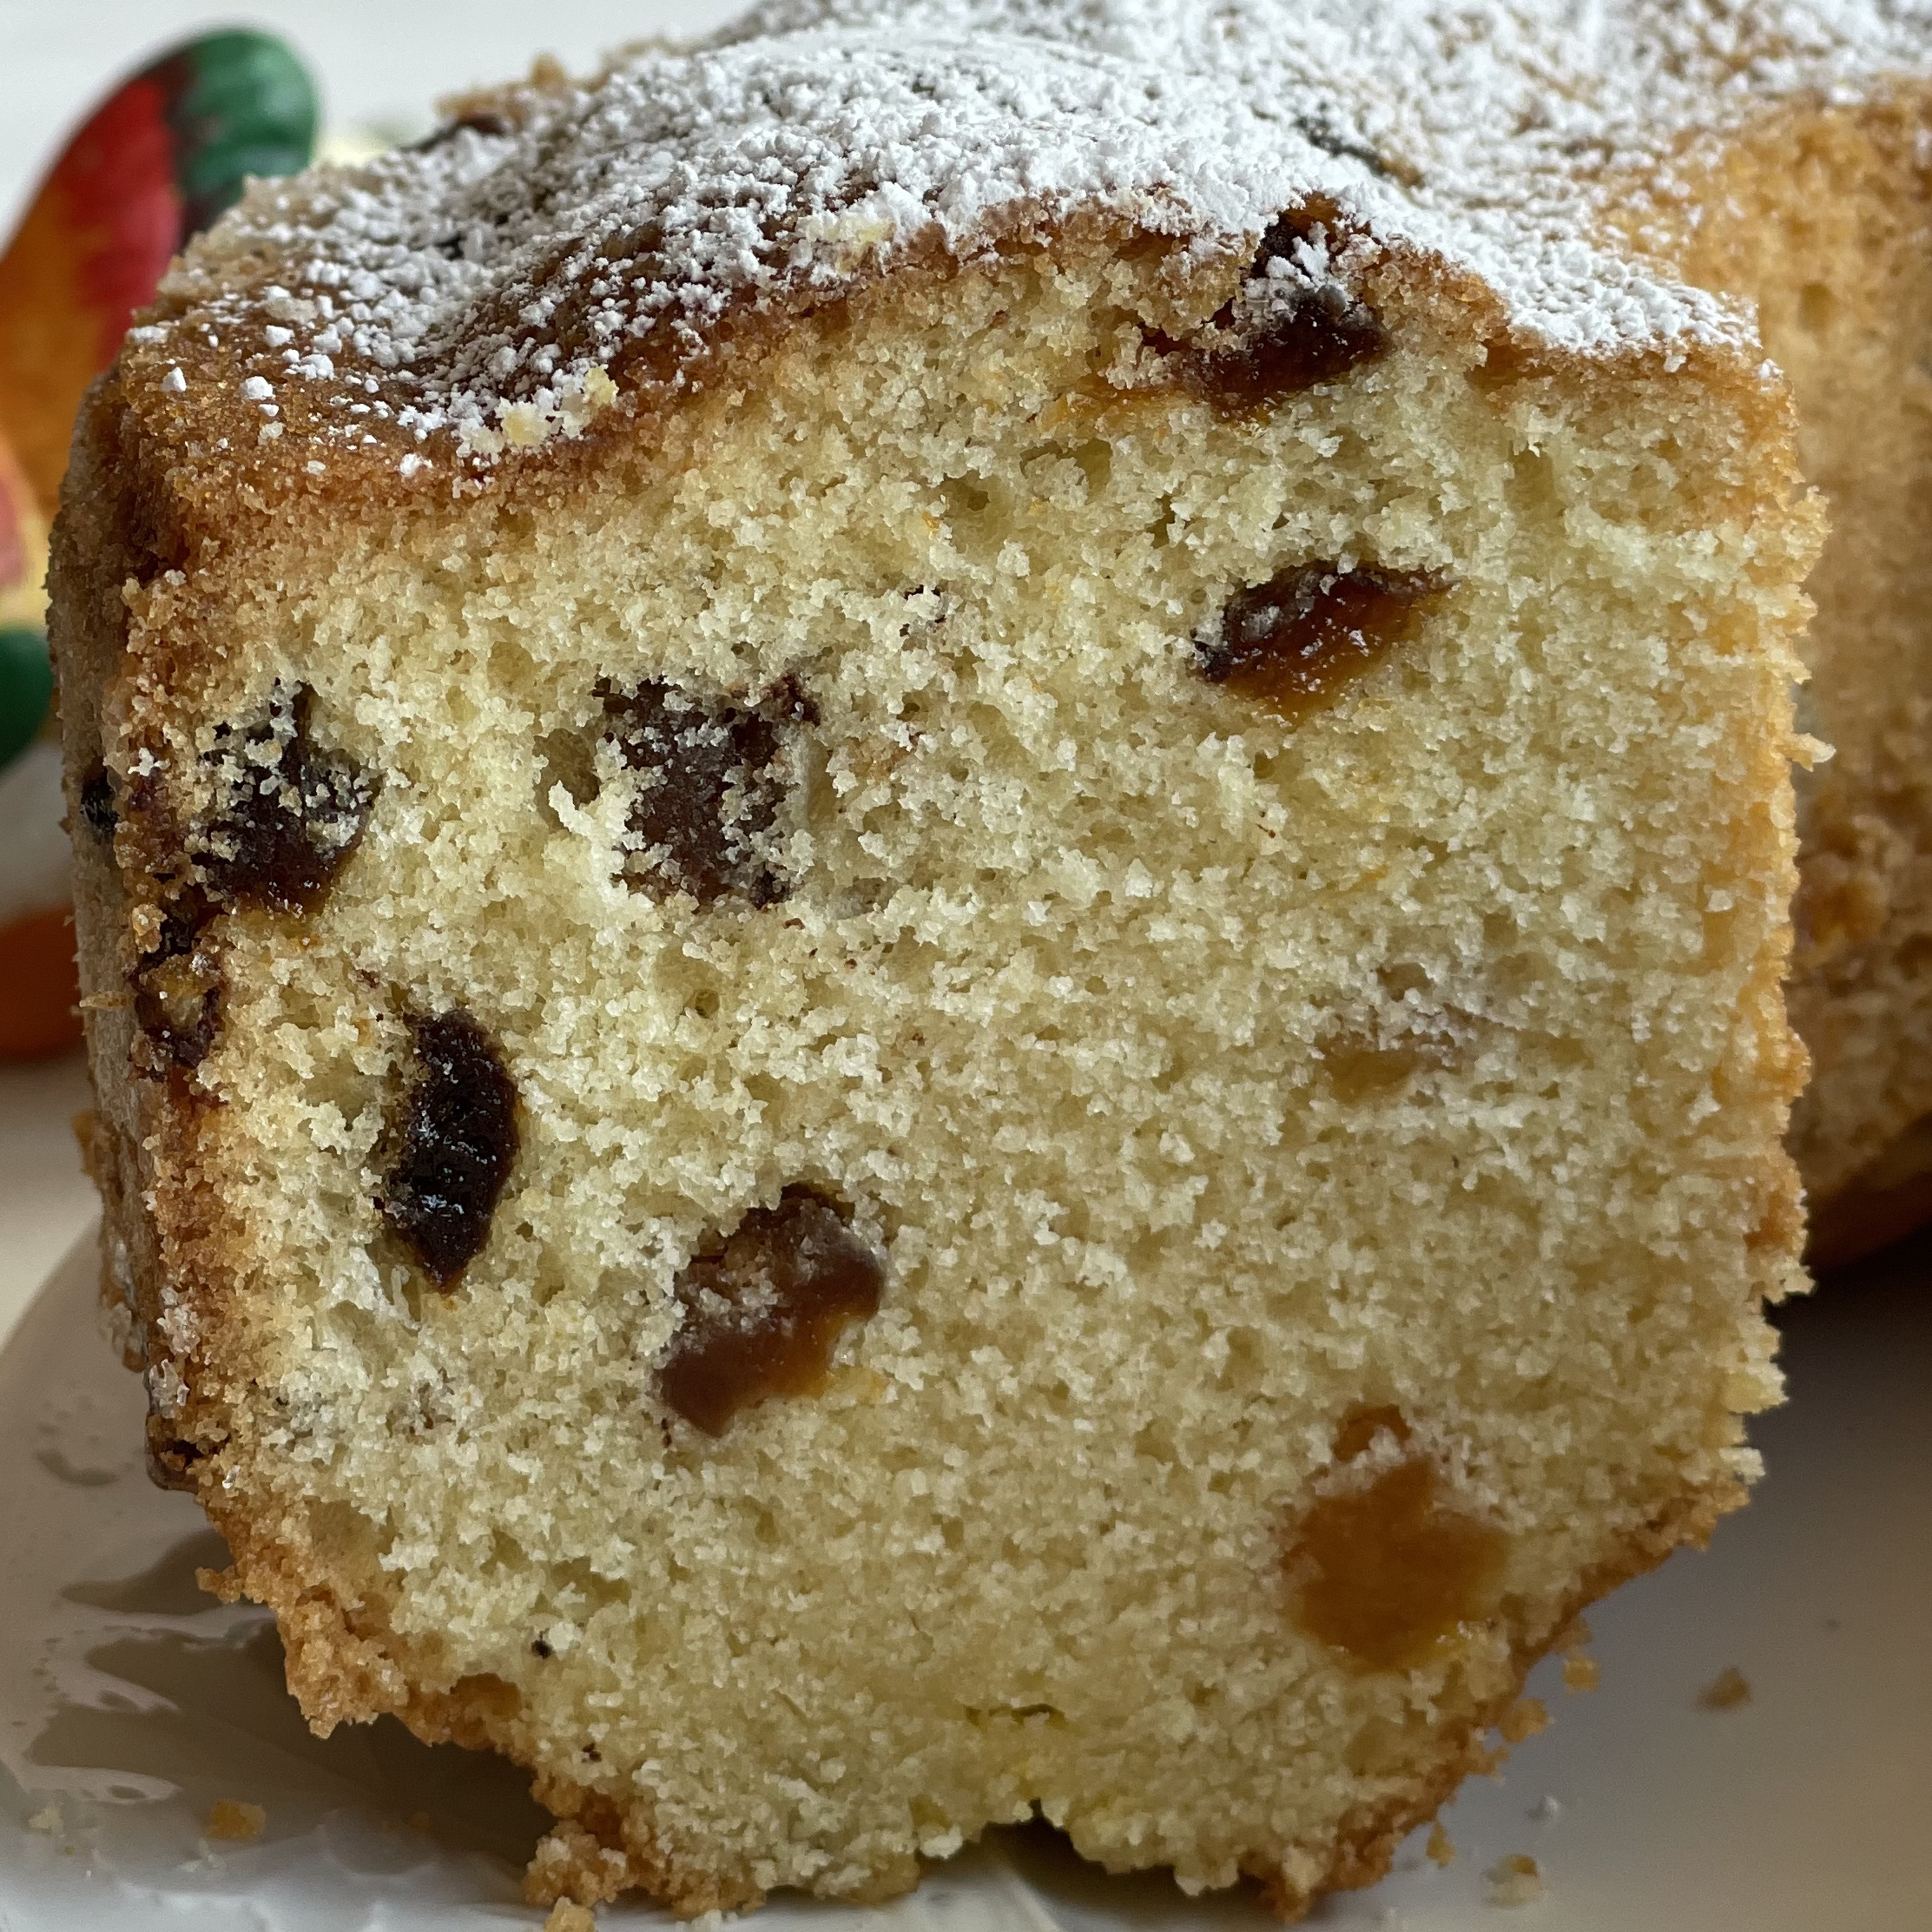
177 1259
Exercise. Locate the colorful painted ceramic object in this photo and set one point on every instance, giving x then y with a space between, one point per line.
157 160
26 689
22 548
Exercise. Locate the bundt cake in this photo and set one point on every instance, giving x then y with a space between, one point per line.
933 870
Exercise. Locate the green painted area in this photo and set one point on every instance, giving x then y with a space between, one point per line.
240 103
26 689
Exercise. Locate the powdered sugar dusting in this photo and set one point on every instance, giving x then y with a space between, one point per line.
494 286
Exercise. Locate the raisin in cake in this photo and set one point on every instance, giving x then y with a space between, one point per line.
933 871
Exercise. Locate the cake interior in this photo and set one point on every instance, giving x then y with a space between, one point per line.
1316 1139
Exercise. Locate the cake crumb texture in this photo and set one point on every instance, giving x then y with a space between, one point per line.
924 995
1515 1880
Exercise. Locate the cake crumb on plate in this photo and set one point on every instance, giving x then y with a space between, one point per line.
1515 1880
236 1819
1524 1719
1581 1673
1726 1691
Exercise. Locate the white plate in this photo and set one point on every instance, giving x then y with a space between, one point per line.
129 1704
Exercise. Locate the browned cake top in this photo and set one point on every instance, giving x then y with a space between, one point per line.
557 247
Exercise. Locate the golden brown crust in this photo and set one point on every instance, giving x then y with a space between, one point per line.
598 1851
159 1228
227 483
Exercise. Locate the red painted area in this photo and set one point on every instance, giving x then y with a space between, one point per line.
115 188
13 540
40 986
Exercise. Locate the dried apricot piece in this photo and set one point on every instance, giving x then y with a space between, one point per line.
1297 641
763 1314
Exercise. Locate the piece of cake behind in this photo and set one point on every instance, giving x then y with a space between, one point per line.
1820 214
999 1032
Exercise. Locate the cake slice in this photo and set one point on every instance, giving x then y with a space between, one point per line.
1824 219
933 873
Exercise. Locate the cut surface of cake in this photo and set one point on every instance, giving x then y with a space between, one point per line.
933 871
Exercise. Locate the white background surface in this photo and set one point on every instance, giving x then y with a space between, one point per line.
379 61
132 1703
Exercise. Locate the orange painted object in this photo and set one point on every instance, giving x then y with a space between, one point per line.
97 238
23 544
40 986
155 163
158 159
16 517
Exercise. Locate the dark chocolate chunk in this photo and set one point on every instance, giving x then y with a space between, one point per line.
763 1314
1316 340
288 814
97 803
1294 643
456 1145
711 779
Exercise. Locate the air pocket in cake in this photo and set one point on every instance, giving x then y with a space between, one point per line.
711 778
762 1312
